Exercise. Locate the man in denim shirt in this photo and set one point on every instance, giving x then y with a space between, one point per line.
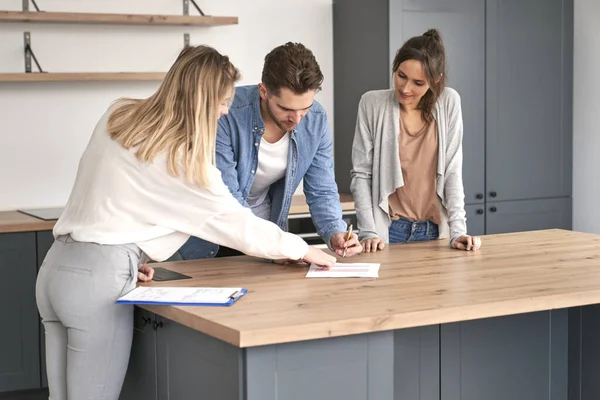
280 119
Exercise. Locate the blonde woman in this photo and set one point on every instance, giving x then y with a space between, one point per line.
145 183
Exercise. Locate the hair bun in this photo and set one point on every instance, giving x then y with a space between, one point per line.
433 34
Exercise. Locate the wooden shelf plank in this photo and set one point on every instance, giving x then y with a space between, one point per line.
81 76
120 19
299 205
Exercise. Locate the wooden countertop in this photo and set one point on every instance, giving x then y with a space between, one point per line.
299 205
14 221
419 284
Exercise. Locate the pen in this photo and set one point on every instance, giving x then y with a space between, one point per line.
348 238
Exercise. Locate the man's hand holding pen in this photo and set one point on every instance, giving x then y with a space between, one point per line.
346 244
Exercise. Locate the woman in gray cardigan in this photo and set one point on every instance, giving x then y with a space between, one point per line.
407 154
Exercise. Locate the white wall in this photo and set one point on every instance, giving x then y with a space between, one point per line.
44 127
586 110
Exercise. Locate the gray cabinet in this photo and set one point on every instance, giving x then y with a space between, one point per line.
44 240
511 63
529 46
417 363
528 215
361 54
518 357
528 115
352 367
140 382
19 337
525 358
462 25
171 361
190 363
584 353
475 219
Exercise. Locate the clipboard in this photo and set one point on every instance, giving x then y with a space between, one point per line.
183 296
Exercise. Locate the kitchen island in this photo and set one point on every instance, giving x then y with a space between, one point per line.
506 322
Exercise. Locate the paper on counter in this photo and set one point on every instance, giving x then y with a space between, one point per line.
345 270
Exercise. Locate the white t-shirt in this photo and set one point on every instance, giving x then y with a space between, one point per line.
116 199
272 164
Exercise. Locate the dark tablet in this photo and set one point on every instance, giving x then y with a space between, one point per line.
162 274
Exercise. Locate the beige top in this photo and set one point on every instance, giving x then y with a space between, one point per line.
417 200
376 170
419 284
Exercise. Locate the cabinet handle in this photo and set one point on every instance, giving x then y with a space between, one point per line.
493 209
156 324
493 194
480 211
479 196
146 321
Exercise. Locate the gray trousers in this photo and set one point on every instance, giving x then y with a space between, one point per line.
88 336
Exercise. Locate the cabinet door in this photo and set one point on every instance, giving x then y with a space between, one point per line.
44 240
193 365
529 99
584 352
19 336
140 381
519 357
475 219
417 363
528 215
462 26
360 51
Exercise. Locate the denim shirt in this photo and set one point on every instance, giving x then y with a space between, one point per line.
310 157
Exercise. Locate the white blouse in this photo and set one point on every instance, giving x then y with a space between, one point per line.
117 199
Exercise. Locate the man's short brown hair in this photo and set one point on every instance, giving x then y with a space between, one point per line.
291 66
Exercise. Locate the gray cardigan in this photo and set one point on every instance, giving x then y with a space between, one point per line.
376 171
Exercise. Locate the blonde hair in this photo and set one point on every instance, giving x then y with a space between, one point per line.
181 117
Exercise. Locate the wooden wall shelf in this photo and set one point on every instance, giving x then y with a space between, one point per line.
119 19
80 76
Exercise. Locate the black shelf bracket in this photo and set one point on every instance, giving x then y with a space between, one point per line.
186 7
26 5
29 54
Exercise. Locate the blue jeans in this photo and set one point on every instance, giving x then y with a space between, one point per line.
403 231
